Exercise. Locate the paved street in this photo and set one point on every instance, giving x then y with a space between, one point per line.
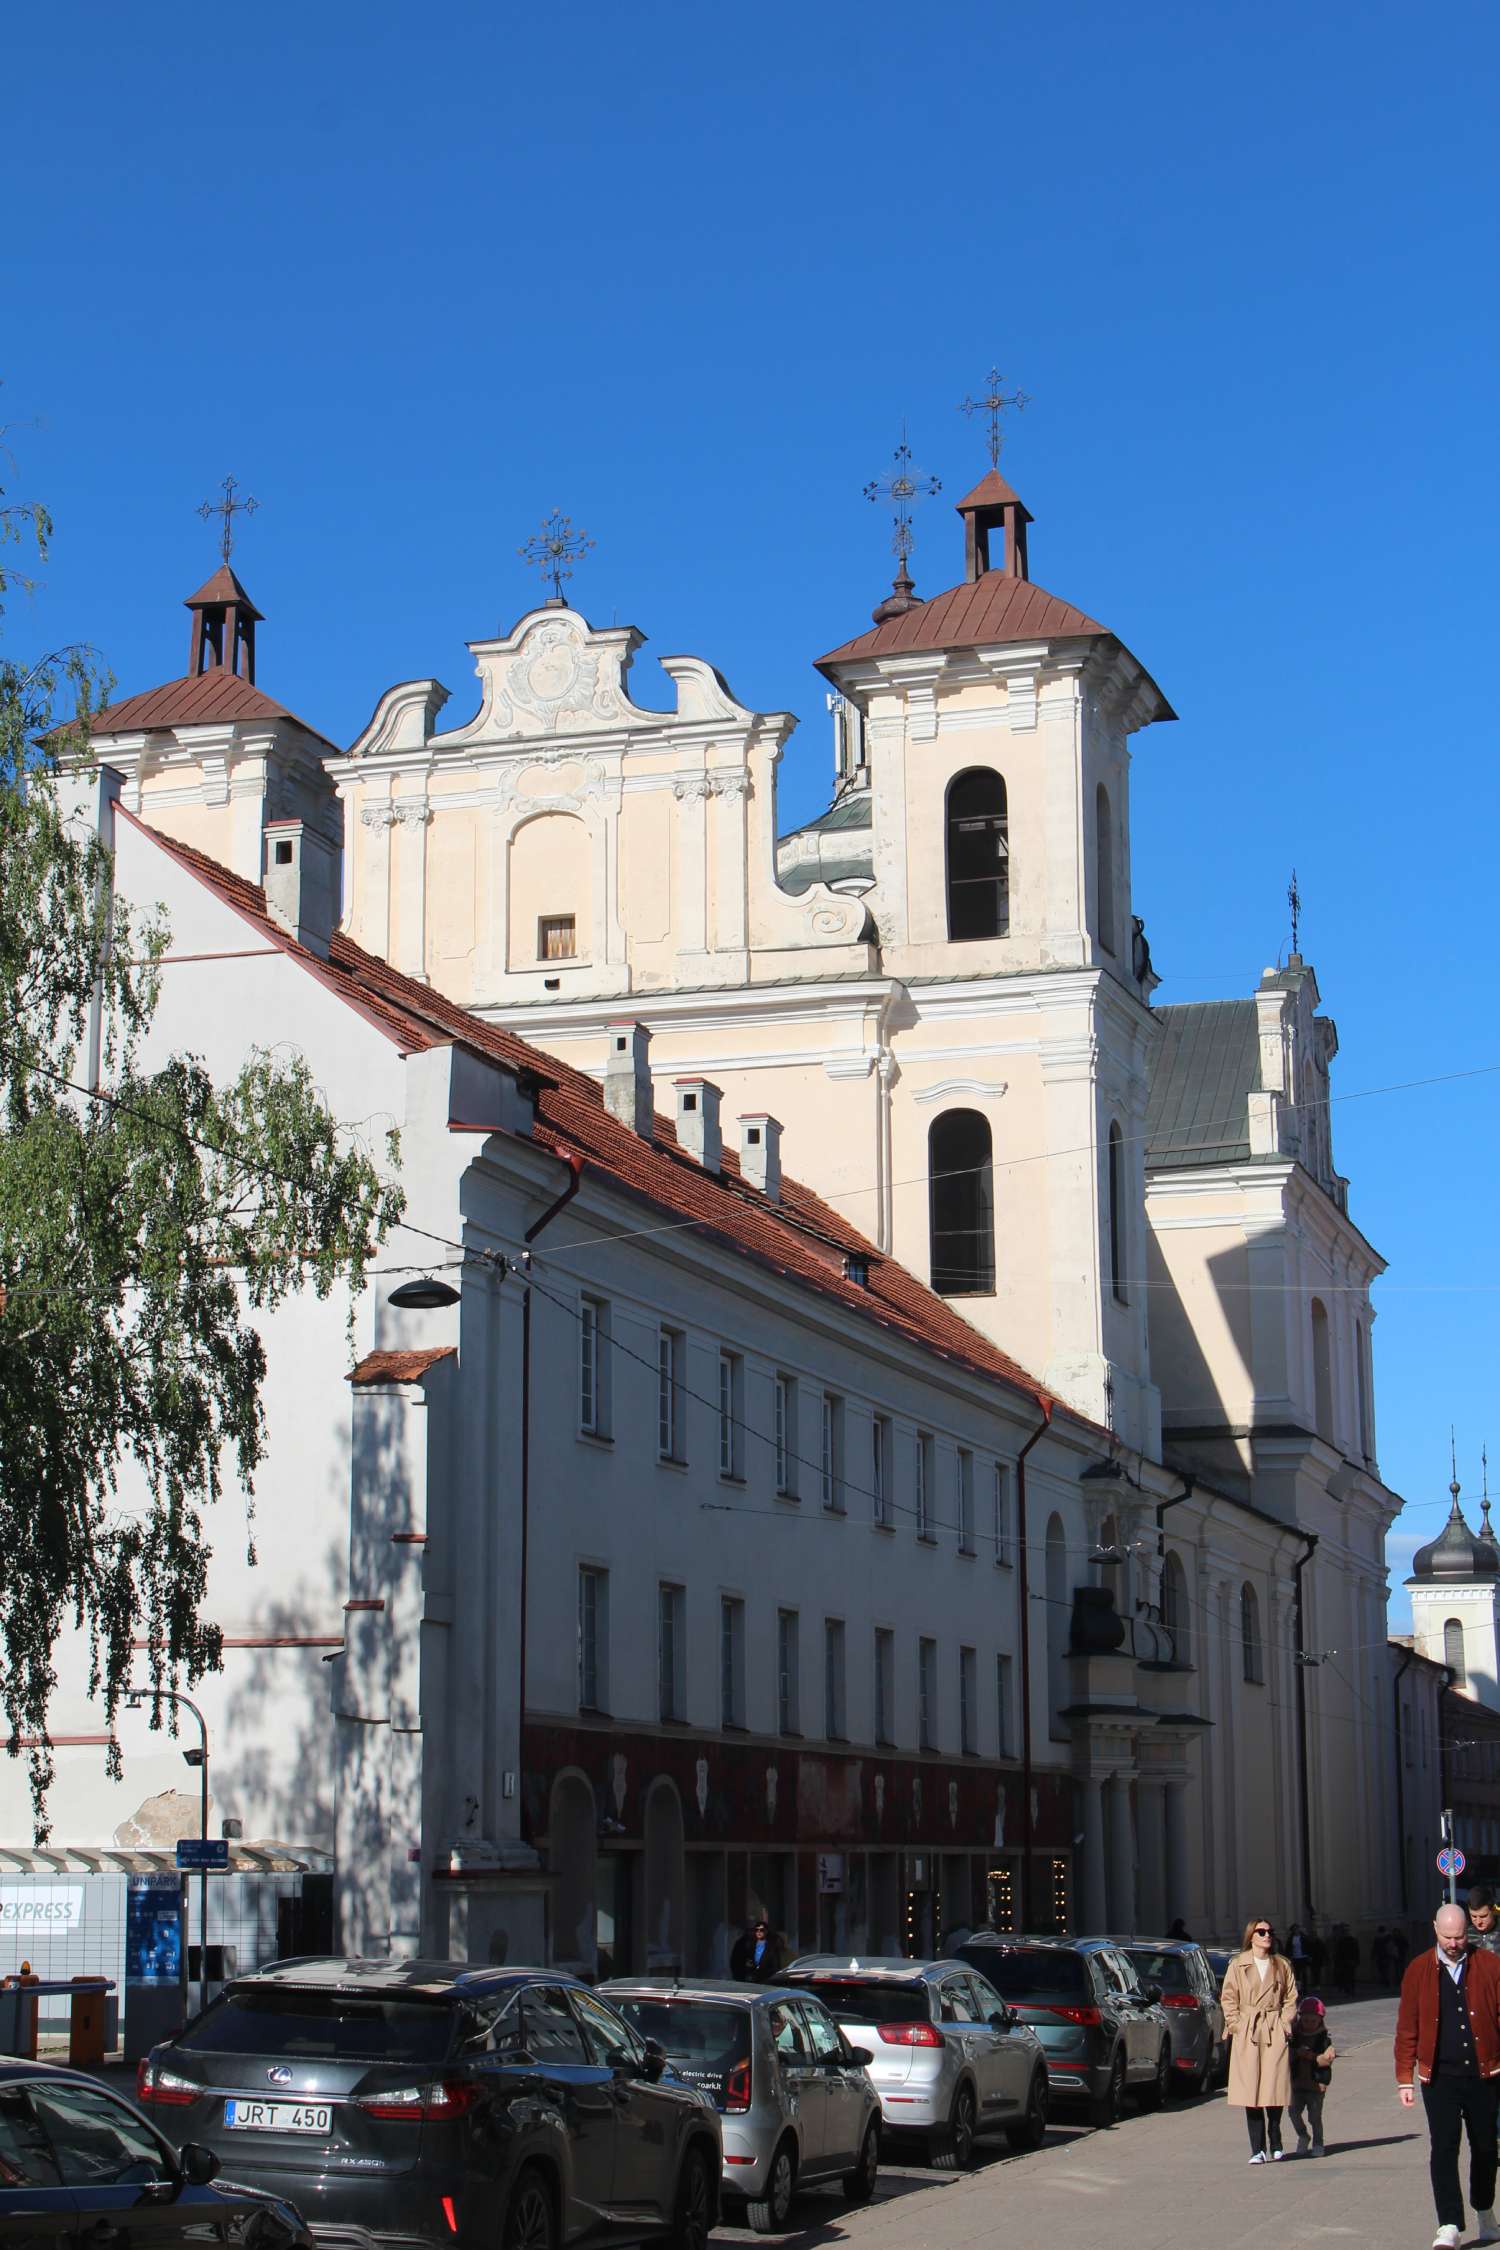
1178 2178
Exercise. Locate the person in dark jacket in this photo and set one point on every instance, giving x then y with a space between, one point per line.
1448 2043
757 1956
1312 2057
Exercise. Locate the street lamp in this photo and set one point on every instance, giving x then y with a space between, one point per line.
134 1698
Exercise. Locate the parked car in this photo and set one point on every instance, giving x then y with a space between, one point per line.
1101 2034
795 2102
468 2109
1219 1958
1190 1999
79 2164
949 2059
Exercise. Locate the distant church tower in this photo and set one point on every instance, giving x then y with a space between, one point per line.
1455 1603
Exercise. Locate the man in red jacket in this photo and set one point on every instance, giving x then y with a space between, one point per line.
1448 2039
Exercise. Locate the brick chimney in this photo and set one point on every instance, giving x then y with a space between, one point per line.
760 1154
301 883
627 1078
698 1130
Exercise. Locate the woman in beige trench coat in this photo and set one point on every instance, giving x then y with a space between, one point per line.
1260 2008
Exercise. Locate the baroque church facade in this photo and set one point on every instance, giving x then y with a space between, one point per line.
934 1006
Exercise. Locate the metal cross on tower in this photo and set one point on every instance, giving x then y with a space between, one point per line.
554 548
228 508
1294 901
994 404
903 486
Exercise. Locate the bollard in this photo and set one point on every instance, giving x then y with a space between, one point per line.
86 2022
26 2016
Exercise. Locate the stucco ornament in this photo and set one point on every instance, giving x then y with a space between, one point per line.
700 1790
771 1778
880 1796
916 1798
1000 1816
953 1804
555 675
617 1777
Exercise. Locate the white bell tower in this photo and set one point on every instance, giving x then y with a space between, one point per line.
1455 1603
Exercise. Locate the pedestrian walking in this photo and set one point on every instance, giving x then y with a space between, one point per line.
1484 1923
1313 2055
1448 2042
1381 1955
757 1956
1259 1999
1178 1932
1299 1953
1345 1957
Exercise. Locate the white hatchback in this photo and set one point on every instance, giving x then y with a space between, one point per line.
949 2059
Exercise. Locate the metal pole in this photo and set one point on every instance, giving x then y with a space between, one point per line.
203 1871
1448 1846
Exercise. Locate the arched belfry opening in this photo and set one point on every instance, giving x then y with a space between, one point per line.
978 856
961 1202
224 622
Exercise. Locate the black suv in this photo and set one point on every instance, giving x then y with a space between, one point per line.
408 2104
1101 2031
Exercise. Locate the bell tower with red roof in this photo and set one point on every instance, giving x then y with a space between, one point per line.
224 622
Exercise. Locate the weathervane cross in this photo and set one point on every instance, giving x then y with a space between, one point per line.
994 404
228 508
1294 901
903 486
554 549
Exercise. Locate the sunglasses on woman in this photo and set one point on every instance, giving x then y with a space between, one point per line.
1262 1929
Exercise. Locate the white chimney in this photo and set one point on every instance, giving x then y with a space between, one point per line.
698 1131
627 1078
301 883
760 1154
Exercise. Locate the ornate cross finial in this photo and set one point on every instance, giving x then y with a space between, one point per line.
228 508
554 549
903 486
1294 901
994 404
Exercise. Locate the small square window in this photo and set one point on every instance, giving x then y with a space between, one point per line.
556 938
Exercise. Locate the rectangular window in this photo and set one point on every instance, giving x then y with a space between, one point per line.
785 1410
885 1684
593 1367
835 1716
832 1470
927 1689
924 1485
880 1460
968 1679
786 1671
1005 1735
593 1639
965 1501
1004 1551
556 938
669 1394
731 1661
731 1415
671 1652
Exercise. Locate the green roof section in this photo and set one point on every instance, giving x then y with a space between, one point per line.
1206 1068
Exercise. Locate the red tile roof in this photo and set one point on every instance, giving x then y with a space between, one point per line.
201 699
990 611
396 1367
801 1236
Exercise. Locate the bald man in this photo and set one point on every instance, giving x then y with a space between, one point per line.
1448 2041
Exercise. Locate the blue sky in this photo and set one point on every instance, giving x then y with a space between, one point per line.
415 277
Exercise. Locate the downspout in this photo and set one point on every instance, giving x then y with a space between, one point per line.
1304 1809
1189 1487
559 1204
1406 1658
1023 1553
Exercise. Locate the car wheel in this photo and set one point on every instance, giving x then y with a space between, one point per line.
954 2151
859 2185
530 2221
1156 2090
1032 2129
692 2214
771 2212
1105 2108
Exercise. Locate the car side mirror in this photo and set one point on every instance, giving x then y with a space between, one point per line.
199 2164
1002 2019
654 2061
1151 1992
860 2055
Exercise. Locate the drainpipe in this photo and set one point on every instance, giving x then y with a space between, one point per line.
1189 1487
1023 1554
1303 1806
560 1203
1406 1658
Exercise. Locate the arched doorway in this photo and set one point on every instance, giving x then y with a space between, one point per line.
663 1877
571 1829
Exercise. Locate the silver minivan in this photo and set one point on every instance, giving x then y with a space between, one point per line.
795 2101
951 2060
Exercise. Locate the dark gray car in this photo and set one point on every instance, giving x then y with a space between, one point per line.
1102 2034
424 2103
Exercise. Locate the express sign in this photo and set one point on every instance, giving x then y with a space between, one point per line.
41 1906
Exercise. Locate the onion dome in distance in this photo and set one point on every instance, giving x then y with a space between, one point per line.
1457 1552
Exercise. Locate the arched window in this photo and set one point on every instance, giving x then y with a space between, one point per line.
1058 1621
1174 1609
1117 1213
1251 1660
961 1204
1322 1371
1453 1649
978 856
1104 869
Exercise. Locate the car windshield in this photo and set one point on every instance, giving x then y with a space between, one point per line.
1027 1973
1169 1970
335 2026
849 2001
704 2039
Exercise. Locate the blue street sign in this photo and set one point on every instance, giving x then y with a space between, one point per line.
1450 1860
210 1852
